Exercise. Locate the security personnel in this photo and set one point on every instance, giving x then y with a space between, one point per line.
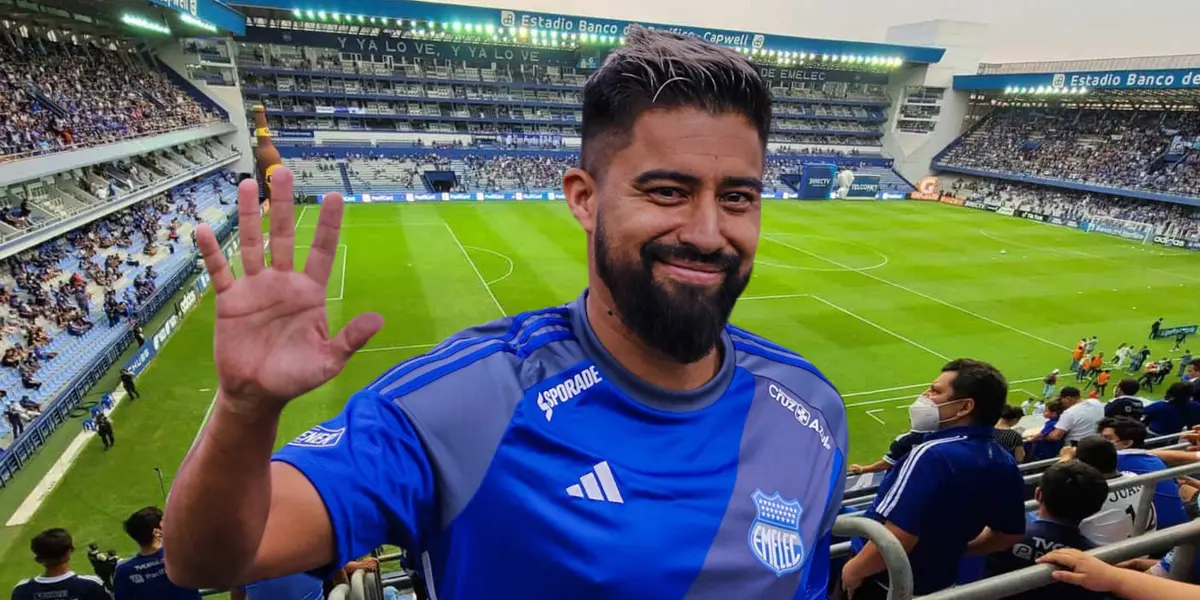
956 493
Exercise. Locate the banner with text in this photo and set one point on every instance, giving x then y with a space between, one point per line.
864 186
375 48
816 181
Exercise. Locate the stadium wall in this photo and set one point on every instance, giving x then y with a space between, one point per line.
914 152
228 98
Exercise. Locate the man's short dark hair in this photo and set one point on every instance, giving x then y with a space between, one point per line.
52 546
141 525
981 382
1128 387
1073 491
1097 452
662 70
1179 393
1069 391
1126 430
1011 413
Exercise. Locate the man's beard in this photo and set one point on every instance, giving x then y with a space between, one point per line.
680 320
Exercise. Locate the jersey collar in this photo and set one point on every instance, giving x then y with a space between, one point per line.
967 430
639 389
63 577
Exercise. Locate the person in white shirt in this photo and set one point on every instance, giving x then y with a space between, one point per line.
1080 418
1114 521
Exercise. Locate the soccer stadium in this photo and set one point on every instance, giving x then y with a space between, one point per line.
961 368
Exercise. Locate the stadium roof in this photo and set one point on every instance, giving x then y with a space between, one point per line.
126 18
559 23
1154 79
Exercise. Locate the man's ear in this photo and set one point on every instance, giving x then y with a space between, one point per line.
580 190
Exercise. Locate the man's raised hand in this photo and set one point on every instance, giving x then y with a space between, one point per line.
272 341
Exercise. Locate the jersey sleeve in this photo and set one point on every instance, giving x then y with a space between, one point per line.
898 449
915 490
1008 514
373 475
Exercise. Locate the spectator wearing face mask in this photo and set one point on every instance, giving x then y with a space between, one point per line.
957 493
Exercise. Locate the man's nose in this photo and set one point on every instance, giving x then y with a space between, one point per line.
703 228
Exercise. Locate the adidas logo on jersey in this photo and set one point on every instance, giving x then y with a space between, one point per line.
597 484
569 388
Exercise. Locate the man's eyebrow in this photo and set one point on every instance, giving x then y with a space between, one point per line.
689 179
666 174
753 183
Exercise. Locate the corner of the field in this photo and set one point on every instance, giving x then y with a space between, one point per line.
29 507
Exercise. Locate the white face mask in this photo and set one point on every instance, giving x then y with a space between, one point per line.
923 414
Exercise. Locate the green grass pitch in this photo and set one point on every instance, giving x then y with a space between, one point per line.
877 294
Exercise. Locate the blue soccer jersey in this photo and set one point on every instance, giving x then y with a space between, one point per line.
144 577
520 460
68 586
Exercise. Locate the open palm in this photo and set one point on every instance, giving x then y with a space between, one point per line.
272 341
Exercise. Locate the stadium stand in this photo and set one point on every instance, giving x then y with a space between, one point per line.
497 170
69 298
1155 218
1123 149
59 96
313 88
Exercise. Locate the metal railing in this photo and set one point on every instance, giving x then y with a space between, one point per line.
181 123
1000 586
1184 537
865 496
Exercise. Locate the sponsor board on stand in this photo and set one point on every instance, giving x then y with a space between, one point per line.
951 200
1170 241
1008 212
977 205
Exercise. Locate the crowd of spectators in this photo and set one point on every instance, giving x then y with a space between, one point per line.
1116 148
50 290
1161 218
497 173
56 95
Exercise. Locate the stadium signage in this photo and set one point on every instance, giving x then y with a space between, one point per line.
374 48
1151 79
1008 212
951 200
819 75
1032 216
566 24
1170 332
974 204
816 181
864 186
1128 234
1170 241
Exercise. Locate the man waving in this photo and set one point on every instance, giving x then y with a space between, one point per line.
629 444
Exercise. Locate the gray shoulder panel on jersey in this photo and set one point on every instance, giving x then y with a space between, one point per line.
792 450
460 401
799 375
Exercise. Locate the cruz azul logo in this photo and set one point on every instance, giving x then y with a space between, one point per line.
775 533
